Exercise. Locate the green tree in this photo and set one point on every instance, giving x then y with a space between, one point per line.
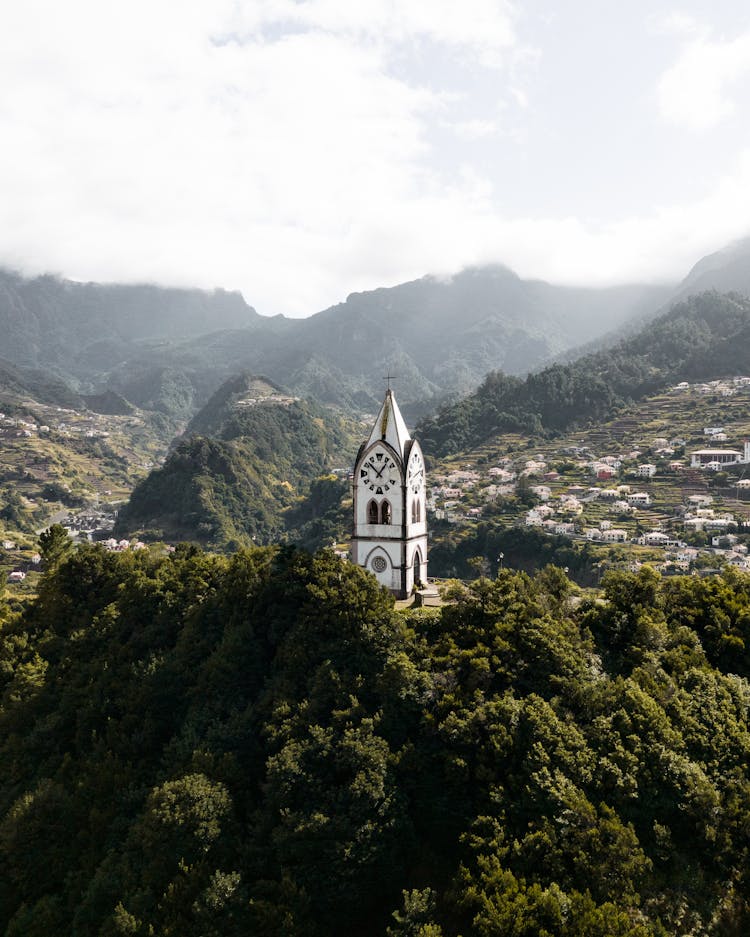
54 546
4 608
417 918
204 746
524 492
14 511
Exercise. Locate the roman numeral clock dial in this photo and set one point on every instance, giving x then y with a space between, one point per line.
378 473
416 473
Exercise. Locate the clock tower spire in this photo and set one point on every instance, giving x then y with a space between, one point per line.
390 525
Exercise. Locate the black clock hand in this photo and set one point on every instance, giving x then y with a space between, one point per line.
380 472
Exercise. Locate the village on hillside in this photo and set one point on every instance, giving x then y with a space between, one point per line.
653 478
68 466
668 481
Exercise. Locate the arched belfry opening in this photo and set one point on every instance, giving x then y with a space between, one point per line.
373 515
385 512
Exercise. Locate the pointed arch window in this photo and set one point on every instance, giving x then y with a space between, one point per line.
372 512
416 511
385 512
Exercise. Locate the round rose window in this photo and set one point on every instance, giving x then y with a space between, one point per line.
379 564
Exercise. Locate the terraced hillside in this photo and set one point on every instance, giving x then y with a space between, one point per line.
707 336
511 493
64 464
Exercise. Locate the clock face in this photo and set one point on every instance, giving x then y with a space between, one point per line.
378 473
415 476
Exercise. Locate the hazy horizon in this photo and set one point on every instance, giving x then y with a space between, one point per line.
443 278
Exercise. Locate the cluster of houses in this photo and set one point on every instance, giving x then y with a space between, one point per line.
88 426
724 387
18 574
553 511
63 421
279 400
445 495
91 523
464 495
715 458
21 566
13 426
555 514
120 546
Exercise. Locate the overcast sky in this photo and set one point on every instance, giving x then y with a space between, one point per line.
300 150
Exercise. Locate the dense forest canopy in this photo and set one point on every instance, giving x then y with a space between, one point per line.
260 744
706 336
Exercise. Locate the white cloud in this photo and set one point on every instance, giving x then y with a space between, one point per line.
187 161
274 147
661 245
475 129
696 92
257 145
677 22
486 26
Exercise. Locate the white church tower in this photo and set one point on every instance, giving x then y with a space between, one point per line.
390 524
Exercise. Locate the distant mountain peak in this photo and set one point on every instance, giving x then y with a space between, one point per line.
725 269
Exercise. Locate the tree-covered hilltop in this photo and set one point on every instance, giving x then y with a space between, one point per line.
259 744
706 336
19 383
243 471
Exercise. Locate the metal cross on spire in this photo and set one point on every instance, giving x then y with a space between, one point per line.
389 377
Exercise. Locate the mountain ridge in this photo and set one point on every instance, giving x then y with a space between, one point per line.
442 335
705 336
169 349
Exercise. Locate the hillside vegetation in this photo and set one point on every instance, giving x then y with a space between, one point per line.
169 349
250 455
442 335
18 383
55 459
704 336
73 327
208 746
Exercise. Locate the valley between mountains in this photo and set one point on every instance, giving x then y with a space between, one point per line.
101 427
